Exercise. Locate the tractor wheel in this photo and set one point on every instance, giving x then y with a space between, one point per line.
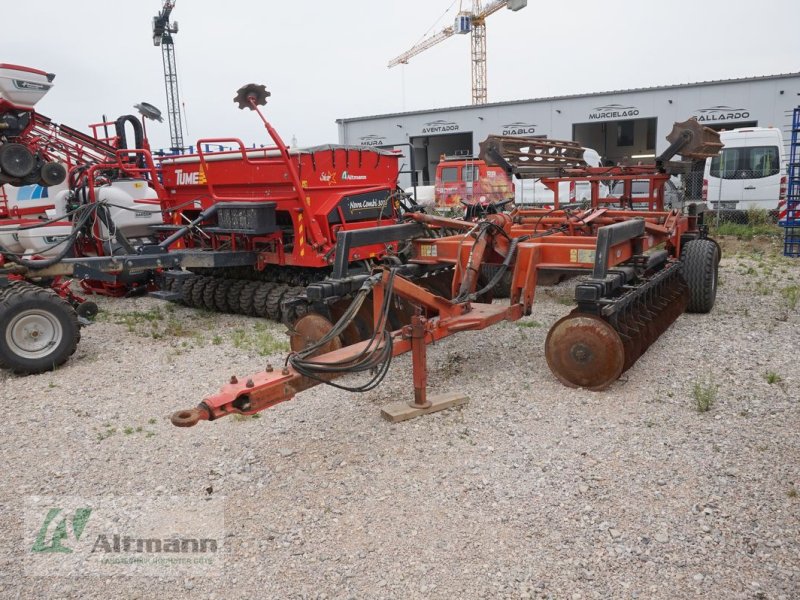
273 307
198 291
210 293
234 295
247 297
700 270
221 295
38 329
186 289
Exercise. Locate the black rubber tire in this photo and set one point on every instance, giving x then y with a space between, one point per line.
235 295
246 304
700 270
503 287
22 296
186 289
273 307
289 314
210 293
17 161
52 173
221 295
198 291
260 298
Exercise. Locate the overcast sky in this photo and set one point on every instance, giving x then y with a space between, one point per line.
324 60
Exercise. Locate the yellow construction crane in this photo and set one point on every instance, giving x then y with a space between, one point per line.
474 23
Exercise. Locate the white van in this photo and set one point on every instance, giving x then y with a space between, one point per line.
749 172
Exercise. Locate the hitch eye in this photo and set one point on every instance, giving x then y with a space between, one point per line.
242 403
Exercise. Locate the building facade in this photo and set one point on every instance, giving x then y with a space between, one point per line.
617 124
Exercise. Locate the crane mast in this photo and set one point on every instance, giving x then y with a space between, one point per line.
162 36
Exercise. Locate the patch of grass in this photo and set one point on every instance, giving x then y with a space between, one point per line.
127 430
772 377
792 493
216 340
749 231
152 420
242 418
107 433
149 323
791 295
763 288
529 324
704 394
259 339
757 216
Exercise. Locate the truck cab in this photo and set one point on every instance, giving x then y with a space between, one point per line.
471 181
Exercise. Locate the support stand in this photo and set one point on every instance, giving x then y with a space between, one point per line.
402 411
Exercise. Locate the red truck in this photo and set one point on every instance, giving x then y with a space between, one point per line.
471 181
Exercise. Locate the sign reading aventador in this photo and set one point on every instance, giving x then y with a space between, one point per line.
439 126
519 128
613 111
722 113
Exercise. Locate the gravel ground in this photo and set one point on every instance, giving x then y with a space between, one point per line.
530 490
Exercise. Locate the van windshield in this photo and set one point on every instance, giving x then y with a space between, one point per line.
752 162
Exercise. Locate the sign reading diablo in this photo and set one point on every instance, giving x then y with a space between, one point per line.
722 113
519 128
613 111
440 126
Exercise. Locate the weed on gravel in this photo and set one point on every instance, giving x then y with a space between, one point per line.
704 394
259 339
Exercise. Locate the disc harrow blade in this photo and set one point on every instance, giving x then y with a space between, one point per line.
589 351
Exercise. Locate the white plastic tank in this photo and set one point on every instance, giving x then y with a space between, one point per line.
35 196
130 210
9 239
43 241
23 86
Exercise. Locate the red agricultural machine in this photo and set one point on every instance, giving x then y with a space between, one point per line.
322 239
643 269
239 230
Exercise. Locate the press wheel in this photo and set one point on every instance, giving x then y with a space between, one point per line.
585 351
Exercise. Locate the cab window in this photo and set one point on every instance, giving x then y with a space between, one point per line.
471 173
449 174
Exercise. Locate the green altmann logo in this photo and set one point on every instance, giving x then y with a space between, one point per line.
60 533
